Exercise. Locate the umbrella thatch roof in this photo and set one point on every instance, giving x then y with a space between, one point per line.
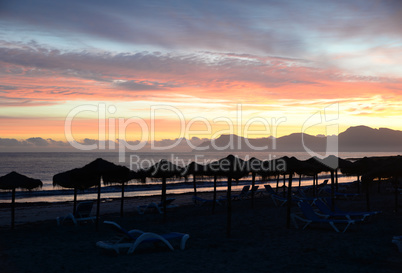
76 179
15 180
230 166
254 165
385 167
282 165
194 169
364 165
89 175
162 169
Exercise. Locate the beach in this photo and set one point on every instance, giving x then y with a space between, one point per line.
259 241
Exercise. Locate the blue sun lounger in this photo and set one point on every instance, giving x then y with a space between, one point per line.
311 217
159 207
348 215
198 201
242 194
132 239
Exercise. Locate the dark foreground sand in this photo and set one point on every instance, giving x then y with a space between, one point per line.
260 241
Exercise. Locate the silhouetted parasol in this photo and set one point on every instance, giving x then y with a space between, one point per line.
89 176
162 170
13 181
383 167
195 170
233 168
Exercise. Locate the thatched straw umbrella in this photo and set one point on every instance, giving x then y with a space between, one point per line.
163 170
13 181
76 179
291 166
233 168
120 176
195 170
329 164
91 175
361 167
384 167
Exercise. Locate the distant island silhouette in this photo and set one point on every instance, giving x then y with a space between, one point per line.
354 139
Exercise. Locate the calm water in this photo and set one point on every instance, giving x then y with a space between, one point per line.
44 165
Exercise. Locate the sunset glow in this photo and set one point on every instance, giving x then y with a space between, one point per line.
279 61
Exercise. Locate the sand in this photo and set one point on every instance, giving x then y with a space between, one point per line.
259 241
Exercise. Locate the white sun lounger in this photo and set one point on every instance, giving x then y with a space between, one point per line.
82 214
132 239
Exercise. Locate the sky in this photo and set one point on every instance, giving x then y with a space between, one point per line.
157 70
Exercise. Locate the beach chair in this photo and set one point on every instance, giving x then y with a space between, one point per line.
397 240
279 201
269 189
326 210
242 194
82 214
158 207
254 190
323 184
311 217
301 196
130 240
198 201
344 195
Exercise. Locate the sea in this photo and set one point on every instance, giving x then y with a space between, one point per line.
44 165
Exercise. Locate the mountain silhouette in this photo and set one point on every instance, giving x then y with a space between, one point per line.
354 139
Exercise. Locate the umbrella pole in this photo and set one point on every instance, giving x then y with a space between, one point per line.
314 178
277 184
12 209
194 185
75 201
336 179
358 184
289 202
299 181
332 192
214 202
367 182
379 183
98 206
284 186
122 200
164 198
396 193
252 190
229 199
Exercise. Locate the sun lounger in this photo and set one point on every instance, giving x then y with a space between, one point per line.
344 195
301 196
132 239
254 190
198 201
348 215
397 240
82 214
279 201
311 217
323 184
269 189
159 207
242 194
